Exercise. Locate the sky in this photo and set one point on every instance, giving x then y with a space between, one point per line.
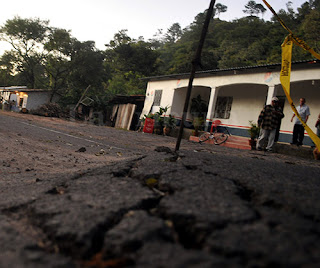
99 20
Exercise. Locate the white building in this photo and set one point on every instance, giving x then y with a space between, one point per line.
22 97
236 95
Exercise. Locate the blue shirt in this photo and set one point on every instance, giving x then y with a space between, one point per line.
304 111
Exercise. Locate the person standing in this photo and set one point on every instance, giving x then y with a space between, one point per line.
316 152
318 126
268 121
298 129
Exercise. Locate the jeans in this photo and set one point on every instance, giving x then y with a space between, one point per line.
266 134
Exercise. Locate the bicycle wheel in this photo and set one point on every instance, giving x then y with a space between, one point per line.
204 137
221 136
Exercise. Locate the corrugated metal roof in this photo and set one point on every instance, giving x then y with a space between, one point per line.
13 87
22 89
232 70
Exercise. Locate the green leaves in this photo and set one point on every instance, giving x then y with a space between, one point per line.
18 29
46 57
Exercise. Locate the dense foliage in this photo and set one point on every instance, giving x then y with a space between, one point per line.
50 58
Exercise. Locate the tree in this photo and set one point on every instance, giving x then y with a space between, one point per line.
174 33
315 4
252 8
27 38
311 28
303 11
219 8
51 58
177 57
129 60
6 70
261 9
119 38
57 64
86 68
158 40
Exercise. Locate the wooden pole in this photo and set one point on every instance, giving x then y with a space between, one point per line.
195 63
84 93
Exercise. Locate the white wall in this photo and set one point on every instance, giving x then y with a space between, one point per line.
167 88
178 102
35 99
13 97
5 95
248 100
249 93
180 96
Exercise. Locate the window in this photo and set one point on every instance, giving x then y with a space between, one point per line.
223 107
157 97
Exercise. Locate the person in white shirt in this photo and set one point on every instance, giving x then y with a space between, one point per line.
298 129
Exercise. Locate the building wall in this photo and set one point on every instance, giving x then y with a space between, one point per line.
27 99
35 99
167 88
248 100
249 92
5 95
180 96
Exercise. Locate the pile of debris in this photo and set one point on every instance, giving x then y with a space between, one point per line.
51 110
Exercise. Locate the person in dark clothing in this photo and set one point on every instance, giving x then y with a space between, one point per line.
268 121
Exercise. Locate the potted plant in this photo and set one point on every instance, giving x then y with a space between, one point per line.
169 123
198 110
254 131
159 120
158 124
197 124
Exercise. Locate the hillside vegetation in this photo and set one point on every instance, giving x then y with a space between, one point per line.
46 57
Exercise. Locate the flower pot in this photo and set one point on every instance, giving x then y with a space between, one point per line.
157 130
195 132
253 144
166 131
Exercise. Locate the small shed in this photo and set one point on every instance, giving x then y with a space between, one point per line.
20 97
126 111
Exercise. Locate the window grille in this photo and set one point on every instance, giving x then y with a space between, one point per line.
223 107
157 97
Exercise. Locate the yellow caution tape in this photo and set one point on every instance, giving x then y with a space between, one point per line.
286 70
285 82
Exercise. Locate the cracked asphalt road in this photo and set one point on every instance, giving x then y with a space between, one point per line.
127 201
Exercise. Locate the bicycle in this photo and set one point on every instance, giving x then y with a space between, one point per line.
219 135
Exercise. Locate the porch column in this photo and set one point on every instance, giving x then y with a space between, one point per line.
211 105
271 93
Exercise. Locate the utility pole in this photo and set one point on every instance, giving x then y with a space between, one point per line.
195 63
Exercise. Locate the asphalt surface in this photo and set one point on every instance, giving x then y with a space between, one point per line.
143 205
